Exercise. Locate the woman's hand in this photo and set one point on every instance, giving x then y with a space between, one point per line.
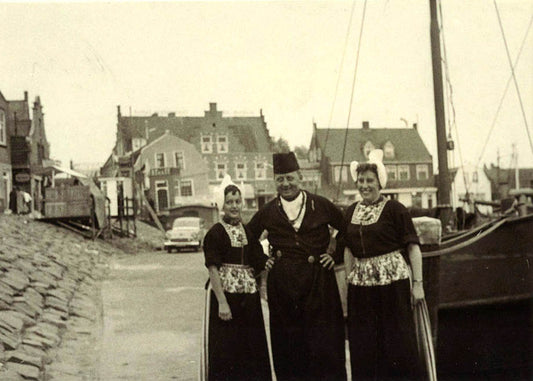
417 292
269 264
327 261
224 312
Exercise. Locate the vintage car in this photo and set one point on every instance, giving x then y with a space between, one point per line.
186 232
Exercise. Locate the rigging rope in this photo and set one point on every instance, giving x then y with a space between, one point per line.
351 99
505 91
514 76
339 76
336 87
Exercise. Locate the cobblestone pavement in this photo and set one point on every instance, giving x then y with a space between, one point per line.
153 305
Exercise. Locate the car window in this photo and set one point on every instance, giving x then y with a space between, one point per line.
185 223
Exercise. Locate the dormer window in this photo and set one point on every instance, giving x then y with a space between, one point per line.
388 150
207 144
222 144
367 148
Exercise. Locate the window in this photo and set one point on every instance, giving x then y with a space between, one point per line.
344 174
422 172
207 144
240 171
186 188
367 148
160 160
221 170
222 144
388 150
403 172
260 172
179 160
392 174
3 132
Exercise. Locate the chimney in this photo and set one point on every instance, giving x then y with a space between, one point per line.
118 112
415 126
366 124
212 108
26 96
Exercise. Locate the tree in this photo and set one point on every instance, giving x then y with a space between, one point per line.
280 145
301 152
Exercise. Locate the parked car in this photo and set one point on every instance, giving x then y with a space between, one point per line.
186 232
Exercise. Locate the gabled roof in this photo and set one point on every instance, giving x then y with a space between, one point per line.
507 176
408 145
251 131
21 108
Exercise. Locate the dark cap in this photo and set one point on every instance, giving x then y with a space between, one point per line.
285 163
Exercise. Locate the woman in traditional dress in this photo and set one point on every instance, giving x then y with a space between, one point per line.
237 346
380 243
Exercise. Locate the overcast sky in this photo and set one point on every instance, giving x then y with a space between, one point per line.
282 57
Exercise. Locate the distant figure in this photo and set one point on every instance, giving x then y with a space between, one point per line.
13 200
27 199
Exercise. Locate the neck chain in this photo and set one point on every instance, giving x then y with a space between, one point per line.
293 221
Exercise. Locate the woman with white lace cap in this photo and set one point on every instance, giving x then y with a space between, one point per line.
237 346
380 244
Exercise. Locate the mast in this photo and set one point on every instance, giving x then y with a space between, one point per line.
443 200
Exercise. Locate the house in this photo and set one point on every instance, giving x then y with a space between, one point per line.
175 172
5 155
407 160
470 184
504 179
238 145
28 146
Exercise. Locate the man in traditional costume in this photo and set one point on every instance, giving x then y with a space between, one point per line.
306 319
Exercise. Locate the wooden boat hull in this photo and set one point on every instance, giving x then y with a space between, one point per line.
480 295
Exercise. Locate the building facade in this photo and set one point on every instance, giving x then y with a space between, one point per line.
406 158
470 184
174 173
29 147
5 156
239 146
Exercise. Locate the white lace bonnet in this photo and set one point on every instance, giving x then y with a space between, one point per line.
374 157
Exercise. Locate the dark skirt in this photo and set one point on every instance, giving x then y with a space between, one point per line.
306 322
238 347
382 333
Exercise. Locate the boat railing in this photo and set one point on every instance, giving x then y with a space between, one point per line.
481 234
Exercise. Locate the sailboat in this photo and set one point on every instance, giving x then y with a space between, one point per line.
478 283
476 278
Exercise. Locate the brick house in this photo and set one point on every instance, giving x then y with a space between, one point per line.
407 160
28 145
239 146
5 155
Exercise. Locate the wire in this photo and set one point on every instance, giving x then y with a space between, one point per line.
514 76
339 76
452 106
351 98
505 92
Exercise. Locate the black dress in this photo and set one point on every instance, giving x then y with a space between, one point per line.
381 328
238 347
306 321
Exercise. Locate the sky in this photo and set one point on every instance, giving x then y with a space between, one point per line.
282 57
